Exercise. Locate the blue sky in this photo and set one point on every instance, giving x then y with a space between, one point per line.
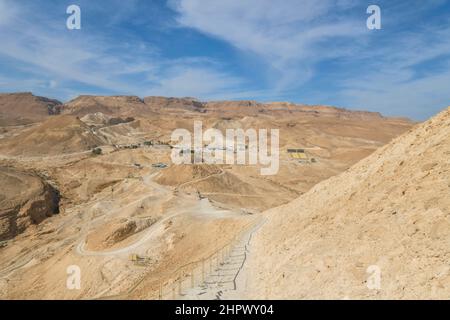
305 51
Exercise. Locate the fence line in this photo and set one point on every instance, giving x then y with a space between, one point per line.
195 273
189 275
222 255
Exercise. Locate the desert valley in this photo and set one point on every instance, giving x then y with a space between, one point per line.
90 183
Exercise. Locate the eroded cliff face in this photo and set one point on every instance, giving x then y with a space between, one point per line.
25 200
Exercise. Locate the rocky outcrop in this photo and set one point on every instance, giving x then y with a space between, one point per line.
22 108
108 105
25 200
163 103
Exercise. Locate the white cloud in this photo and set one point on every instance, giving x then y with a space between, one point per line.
46 50
195 82
419 98
7 12
388 93
394 83
286 34
292 37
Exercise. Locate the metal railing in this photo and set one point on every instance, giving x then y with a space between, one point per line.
189 275
195 273
199 270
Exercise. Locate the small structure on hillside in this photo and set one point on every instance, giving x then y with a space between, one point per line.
299 154
157 144
159 165
138 260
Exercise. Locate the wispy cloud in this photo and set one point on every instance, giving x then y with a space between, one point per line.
407 74
7 12
103 64
305 51
370 70
288 35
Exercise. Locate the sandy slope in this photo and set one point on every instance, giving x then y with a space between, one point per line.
390 210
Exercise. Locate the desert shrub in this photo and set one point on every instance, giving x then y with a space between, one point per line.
97 151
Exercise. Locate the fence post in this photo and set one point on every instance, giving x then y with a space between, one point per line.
160 291
203 270
173 291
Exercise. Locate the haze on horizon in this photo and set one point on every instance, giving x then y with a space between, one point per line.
298 51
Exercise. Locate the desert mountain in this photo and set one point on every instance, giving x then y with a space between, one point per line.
25 199
24 108
107 105
390 212
252 108
57 135
135 106
173 104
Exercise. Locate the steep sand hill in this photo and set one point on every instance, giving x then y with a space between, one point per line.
391 210
25 108
24 200
57 135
